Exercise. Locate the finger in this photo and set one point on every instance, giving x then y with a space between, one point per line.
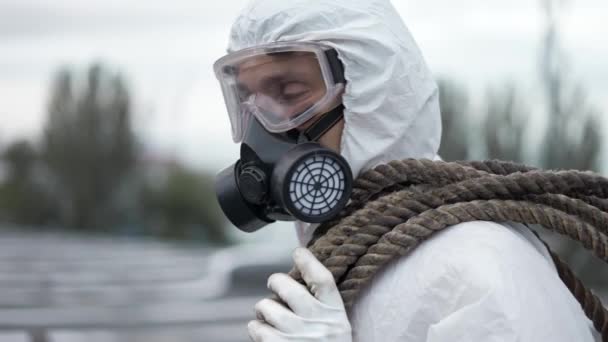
294 294
262 332
277 316
317 277
252 336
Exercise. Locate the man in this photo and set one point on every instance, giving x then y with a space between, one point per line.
478 281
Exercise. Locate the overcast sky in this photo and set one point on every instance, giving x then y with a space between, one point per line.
166 49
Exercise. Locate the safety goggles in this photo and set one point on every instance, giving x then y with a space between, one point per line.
282 84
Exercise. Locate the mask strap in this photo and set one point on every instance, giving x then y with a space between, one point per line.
323 124
335 65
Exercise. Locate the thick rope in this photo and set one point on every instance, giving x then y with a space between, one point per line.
399 205
590 302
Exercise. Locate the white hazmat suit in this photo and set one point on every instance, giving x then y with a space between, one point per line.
478 281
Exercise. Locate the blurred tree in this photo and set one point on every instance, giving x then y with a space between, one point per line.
572 138
505 124
88 144
20 158
454 103
23 200
184 207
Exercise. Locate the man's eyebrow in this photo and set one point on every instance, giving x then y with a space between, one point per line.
272 79
265 82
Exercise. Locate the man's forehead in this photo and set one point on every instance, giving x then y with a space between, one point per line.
268 59
255 62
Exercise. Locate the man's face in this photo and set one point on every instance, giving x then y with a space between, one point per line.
282 85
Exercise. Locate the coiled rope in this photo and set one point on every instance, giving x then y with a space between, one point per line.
396 206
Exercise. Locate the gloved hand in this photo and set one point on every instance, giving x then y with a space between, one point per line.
315 315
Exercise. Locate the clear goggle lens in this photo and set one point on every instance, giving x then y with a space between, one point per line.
282 85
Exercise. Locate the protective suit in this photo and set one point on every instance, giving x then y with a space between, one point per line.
479 281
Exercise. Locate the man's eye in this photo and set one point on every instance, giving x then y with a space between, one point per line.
293 90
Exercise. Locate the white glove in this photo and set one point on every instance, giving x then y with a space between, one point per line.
316 316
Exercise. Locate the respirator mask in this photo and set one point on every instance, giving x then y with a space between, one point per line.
281 98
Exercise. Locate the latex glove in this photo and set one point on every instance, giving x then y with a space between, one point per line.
315 315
